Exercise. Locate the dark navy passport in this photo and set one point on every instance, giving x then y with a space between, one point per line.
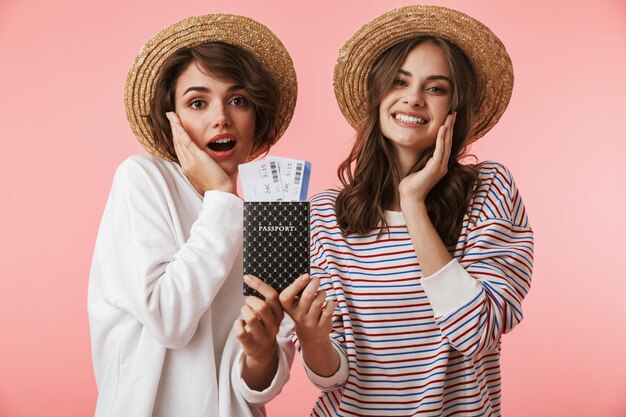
276 238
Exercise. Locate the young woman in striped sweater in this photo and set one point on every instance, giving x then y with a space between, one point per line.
422 261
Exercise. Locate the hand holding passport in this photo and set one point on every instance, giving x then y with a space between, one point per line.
276 221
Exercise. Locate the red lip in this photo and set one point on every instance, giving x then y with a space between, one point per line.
222 136
222 154
409 125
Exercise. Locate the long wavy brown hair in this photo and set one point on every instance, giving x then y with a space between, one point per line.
228 63
369 176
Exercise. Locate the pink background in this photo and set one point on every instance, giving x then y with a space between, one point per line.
63 131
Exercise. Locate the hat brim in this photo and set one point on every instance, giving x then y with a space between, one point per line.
488 56
240 31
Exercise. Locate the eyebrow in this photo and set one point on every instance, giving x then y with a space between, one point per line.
432 77
206 90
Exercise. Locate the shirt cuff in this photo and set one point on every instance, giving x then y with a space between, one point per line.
328 383
450 288
262 397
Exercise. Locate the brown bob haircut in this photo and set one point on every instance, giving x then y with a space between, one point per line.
225 62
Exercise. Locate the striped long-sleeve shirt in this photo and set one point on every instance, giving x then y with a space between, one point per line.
428 347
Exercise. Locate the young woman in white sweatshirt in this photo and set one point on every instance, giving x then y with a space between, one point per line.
171 332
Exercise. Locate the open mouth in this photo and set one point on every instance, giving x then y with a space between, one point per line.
222 145
410 119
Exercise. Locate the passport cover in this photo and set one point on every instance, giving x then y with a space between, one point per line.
275 242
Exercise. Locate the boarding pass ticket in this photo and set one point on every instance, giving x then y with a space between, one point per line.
275 179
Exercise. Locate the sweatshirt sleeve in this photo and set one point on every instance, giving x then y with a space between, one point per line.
478 296
167 284
285 359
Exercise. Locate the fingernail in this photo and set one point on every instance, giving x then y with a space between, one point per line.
306 277
246 279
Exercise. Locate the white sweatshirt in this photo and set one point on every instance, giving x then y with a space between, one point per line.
164 292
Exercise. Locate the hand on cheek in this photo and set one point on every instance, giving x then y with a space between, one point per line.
202 171
415 187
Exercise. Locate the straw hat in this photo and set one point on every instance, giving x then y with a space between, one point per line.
240 31
485 51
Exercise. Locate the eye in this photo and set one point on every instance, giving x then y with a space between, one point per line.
197 104
239 101
437 89
400 82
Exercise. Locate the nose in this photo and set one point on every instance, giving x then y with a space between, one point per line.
220 117
414 98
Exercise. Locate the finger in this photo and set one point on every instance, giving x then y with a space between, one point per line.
242 335
177 126
178 138
269 293
328 311
444 136
448 142
240 329
173 127
308 295
440 144
288 295
264 313
253 322
173 118
175 123
317 304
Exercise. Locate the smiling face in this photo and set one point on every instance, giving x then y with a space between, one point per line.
218 116
416 105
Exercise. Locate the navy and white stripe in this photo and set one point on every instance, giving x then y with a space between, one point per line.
404 361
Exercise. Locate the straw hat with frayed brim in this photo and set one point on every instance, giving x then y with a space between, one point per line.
240 31
485 51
